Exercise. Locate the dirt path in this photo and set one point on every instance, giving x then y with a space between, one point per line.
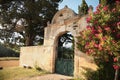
49 77
9 63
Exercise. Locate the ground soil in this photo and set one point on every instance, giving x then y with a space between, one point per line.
14 63
49 77
9 63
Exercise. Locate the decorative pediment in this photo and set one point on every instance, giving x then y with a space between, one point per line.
63 14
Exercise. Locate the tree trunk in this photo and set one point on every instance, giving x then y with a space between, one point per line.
29 41
116 74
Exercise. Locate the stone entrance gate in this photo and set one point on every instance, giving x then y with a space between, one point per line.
65 20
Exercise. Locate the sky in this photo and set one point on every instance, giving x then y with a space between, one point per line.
73 4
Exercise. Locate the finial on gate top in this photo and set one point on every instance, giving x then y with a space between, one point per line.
66 6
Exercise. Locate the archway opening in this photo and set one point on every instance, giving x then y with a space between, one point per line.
64 63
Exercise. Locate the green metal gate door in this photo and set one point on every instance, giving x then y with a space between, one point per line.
64 66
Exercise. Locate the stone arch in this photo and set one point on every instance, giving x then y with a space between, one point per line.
55 54
55 45
57 36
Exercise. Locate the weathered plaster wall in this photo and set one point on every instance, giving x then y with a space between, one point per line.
36 56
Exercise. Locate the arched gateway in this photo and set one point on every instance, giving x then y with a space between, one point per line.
65 20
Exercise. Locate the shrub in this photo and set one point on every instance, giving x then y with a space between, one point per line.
101 39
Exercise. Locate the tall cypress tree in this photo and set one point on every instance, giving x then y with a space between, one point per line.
83 9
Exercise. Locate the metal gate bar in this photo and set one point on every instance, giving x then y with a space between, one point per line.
64 66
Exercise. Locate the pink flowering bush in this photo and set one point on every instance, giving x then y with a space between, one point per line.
101 38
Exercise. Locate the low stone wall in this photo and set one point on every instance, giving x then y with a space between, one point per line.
36 56
82 64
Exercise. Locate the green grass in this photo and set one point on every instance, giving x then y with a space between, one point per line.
15 73
8 58
76 79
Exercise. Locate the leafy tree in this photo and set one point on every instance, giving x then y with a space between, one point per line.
106 2
63 51
101 39
26 17
83 9
65 39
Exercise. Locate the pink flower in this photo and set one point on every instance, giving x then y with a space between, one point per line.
105 8
115 59
114 10
104 38
97 12
110 53
96 45
116 67
88 19
94 31
98 6
99 29
107 28
86 45
113 41
117 1
118 35
100 47
89 27
113 31
96 35
118 24
95 22
90 37
90 51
